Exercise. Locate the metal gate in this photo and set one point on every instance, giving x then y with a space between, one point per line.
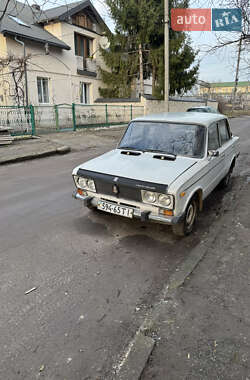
64 117
19 119
49 119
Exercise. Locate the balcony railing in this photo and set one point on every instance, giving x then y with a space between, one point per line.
86 64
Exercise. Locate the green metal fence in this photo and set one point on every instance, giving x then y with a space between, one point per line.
65 117
45 119
87 116
19 119
56 118
35 120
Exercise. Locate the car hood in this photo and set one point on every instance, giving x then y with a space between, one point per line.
143 167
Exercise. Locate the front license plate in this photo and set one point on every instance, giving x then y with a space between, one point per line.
115 209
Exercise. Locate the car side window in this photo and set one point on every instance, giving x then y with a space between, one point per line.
223 130
213 138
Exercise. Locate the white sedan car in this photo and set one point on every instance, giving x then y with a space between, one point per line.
162 169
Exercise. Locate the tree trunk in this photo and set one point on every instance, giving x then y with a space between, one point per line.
237 73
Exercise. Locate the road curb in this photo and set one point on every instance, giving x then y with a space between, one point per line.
135 357
33 156
138 349
63 150
125 364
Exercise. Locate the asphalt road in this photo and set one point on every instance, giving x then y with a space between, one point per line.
95 275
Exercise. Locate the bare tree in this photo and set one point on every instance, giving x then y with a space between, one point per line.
238 43
233 38
12 70
4 10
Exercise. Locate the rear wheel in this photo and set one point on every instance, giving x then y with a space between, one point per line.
185 227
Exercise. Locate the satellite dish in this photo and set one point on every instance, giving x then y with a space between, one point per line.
104 42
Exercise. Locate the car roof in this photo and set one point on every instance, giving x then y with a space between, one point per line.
204 119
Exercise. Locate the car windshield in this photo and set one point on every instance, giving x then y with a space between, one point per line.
178 139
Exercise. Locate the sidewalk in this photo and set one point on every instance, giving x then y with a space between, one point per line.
29 149
58 143
204 326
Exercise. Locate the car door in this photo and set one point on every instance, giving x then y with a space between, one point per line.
227 149
215 164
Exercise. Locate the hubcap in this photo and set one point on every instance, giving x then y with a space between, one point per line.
190 215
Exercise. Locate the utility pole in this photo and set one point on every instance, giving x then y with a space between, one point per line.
166 24
141 70
237 72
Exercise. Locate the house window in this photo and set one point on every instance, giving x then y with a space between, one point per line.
43 90
84 93
83 21
83 46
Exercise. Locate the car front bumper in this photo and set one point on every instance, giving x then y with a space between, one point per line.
91 202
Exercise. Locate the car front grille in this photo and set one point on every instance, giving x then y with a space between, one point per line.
127 188
124 191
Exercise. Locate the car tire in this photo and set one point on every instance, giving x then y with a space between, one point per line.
185 227
227 180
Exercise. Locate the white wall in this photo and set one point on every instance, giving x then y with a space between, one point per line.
157 106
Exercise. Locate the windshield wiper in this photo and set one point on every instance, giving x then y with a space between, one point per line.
160 151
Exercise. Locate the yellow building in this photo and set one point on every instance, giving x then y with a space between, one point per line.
225 88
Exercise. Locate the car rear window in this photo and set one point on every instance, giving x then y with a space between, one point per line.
213 137
197 110
224 134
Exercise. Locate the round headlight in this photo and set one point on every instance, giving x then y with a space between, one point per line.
81 182
90 184
165 200
149 197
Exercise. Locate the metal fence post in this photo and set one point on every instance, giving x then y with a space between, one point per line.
32 117
106 113
131 111
57 116
74 116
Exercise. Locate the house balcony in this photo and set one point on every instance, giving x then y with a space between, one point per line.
86 66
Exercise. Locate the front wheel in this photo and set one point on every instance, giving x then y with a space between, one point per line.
227 180
185 227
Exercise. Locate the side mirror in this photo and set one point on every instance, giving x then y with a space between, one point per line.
213 153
